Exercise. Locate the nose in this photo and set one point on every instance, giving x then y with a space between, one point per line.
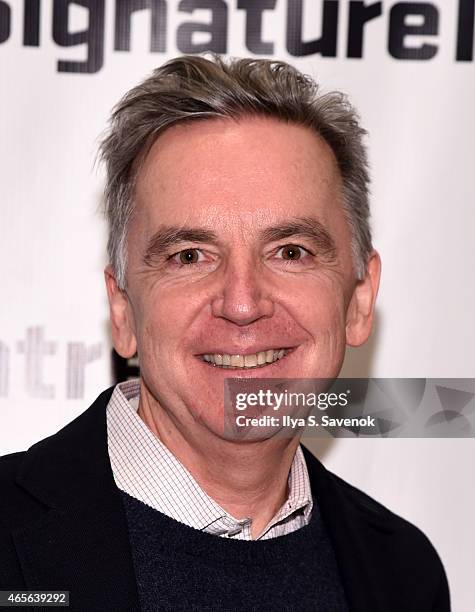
242 298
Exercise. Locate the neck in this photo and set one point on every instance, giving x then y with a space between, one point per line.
247 479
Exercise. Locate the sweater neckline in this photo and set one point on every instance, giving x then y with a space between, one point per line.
164 533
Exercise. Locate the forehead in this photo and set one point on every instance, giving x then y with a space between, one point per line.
221 172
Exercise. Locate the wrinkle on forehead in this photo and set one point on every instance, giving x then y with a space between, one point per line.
220 160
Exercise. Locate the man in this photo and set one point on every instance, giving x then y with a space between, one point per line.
237 201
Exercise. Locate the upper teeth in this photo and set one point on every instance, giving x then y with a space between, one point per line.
245 361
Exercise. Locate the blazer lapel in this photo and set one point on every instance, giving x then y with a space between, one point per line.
347 526
80 543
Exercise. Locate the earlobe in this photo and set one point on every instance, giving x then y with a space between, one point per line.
121 317
360 313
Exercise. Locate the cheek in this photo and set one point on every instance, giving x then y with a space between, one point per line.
163 323
319 307
318 304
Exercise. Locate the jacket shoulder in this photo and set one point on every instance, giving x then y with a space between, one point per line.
8 468
16 505
411 553
358 503
44 463
382 517
396 552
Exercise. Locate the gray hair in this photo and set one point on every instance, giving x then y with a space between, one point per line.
193 87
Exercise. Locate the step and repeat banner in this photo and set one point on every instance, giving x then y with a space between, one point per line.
408 67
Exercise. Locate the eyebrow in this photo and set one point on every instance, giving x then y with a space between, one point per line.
308 227
167 237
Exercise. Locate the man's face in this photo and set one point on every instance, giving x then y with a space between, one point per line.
238 253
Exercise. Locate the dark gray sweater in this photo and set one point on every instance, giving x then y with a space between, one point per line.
181 568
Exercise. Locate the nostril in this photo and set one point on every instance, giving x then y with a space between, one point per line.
242 304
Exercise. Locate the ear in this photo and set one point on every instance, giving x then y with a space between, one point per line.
360 313
121 317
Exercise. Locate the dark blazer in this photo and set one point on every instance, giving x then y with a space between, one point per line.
63 527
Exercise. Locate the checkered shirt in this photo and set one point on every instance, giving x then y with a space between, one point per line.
144 468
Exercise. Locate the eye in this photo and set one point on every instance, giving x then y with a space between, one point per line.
292 252
188 256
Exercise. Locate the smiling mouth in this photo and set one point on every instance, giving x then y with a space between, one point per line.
255 360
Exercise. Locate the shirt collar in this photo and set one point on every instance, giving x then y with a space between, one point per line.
144 468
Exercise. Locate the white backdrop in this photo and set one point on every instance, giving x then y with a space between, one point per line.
54 341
